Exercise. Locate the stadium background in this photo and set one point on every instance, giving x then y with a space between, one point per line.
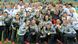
75 2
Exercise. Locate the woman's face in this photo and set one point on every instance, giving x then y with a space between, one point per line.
28 22
58 21
26 5
33 21
69 6
17 17
49 6
46 17
65 15
5 14
21 2
57 6
49 12
48 26
65 21
8 6
28 14
71 11
16 6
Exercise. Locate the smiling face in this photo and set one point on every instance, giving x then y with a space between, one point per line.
46 17
26 5
48 12
8 6
28 23
48 26
27 14
72 11
5 14
16 6
33 21
20 2
17 17
58 21
65 21
65 15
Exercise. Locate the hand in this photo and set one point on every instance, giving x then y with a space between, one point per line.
33 33
49 33
58 26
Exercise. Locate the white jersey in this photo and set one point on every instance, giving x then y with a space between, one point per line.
75 21
2 21
22 29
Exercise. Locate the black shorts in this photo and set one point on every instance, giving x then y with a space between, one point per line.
2 28
1 31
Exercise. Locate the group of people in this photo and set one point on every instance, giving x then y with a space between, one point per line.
41 23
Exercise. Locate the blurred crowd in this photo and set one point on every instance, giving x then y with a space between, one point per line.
41 23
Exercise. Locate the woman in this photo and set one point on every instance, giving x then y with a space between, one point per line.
50 33
15 27
7 22
46 19
58 28
68 32
75 21
2 25
27 32
33 36
21 32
